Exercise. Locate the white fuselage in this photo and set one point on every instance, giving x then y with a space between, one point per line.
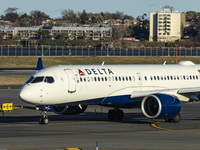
92 84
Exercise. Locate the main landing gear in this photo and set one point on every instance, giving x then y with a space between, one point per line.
115 115
176 119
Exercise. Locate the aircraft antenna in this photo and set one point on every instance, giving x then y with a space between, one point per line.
103 63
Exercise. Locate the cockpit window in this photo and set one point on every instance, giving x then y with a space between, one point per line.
37 79
29 80
49 80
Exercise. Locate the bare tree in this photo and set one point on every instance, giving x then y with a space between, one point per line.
69 15
37 17
11 14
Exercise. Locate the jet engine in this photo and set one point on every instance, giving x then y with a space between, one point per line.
161 106
69 110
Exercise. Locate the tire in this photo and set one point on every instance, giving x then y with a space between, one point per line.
111 115
177 118
41 121
119 115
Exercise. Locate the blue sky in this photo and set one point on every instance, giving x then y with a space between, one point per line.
131 7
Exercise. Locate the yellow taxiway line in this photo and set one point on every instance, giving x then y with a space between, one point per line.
157 127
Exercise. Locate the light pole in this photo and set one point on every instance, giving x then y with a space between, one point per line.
176 53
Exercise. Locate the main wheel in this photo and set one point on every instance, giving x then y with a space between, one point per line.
119 115
111 115
177 118
115 114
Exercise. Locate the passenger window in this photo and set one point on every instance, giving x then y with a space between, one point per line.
119 78
161 77
164 77
106 79
37 79
168 78
145 78
115 78
187 77
158 77
171 77
95 79
131 78
81 79
49 80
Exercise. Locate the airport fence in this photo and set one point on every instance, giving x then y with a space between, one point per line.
97 51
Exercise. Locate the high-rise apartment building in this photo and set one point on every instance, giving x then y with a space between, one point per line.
167 25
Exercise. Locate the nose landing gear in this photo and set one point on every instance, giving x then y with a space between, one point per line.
44 119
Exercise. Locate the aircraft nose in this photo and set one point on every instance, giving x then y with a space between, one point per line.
26 95
23 95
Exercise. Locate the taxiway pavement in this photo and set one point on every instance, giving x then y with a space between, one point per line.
20 130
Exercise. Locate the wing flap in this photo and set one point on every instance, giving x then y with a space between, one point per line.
138 94
195 90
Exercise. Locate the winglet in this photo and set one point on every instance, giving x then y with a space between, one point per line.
39 64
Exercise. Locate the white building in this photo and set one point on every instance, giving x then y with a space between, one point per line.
166 26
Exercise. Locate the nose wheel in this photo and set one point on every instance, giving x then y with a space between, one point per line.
44 119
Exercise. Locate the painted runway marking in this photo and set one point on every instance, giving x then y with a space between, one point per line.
157 127
12 125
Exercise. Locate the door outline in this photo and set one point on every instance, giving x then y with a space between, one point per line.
139 77
71 80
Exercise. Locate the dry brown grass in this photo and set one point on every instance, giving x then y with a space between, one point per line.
13 80
14 62
23 62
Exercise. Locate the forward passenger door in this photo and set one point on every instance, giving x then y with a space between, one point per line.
71 80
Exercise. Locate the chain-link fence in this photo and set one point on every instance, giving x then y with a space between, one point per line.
97 51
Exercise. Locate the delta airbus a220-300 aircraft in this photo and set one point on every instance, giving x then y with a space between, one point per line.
157 88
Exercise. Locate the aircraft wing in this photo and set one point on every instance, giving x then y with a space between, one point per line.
138 94
186 92
195 90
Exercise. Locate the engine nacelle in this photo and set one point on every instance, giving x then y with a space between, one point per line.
160 106
69 110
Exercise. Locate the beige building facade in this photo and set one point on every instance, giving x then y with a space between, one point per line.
166 26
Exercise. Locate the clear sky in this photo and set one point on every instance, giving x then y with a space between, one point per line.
134 8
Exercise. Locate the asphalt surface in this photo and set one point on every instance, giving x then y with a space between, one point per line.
20 130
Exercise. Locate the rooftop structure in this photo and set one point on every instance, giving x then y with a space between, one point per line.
166 26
